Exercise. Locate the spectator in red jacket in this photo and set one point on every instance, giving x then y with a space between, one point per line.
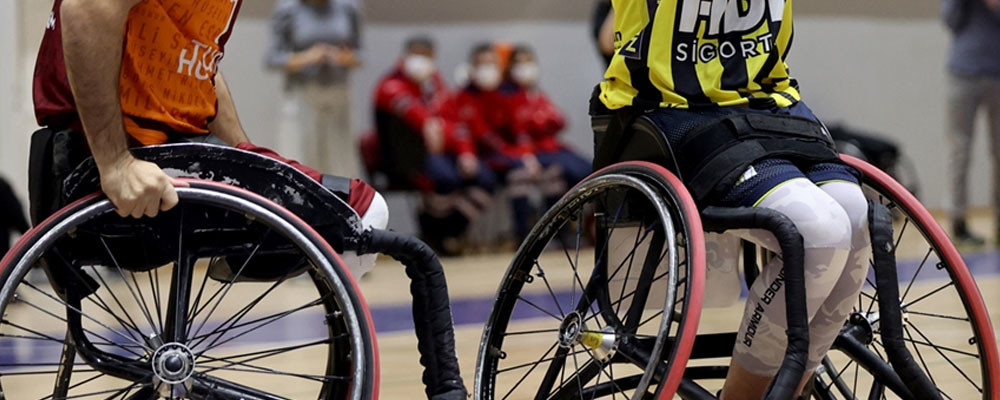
484 111
533 115
421 148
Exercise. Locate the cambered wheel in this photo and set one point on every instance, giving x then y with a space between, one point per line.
98 306
945 323
616 320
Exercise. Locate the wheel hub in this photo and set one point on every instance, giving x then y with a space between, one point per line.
573 331
173 363
570 329
863 326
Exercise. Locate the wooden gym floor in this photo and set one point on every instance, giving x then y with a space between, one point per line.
473 281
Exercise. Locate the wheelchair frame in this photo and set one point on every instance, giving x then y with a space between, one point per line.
305 206
646 149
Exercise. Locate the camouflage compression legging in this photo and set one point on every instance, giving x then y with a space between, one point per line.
832 218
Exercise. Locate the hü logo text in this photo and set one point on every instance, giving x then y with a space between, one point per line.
728 16
199 62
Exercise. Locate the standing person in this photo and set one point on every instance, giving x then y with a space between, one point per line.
419 148
694 72
315 44
12 218
974 84
533 113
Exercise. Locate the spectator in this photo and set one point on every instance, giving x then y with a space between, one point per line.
974 69
602 30
420 149
533 114
485 111
12 218
315 44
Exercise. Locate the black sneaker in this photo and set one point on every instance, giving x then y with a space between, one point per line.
962 235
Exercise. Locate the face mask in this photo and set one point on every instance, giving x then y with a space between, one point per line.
486 77
418 67
525 74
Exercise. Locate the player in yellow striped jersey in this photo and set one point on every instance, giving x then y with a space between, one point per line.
712 75
696 53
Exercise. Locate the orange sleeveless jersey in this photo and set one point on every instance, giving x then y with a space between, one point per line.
170 57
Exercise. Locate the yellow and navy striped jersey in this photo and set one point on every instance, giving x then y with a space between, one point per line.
696 53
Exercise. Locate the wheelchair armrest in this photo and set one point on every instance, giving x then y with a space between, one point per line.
275 180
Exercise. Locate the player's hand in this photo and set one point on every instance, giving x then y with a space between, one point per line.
531 165
468 165
138 188
993 4
342 56
433 132
317 54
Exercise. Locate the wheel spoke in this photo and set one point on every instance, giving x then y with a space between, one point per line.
79 312
948 359
118 390
929 294
257 355
917 272
265 370
541 274
100 302
902 230
840 373
234 319
78 384
525 376
225 288
269 320
519 297
941 316
920 356
530 332
528 364
628 271
600 364
195 310
121 273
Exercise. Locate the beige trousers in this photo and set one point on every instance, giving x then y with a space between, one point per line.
315 129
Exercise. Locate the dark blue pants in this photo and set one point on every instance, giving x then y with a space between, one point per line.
442 170
574 167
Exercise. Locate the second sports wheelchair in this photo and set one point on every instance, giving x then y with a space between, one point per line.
236 293
621 319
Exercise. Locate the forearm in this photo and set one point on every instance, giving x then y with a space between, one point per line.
93 32
226 124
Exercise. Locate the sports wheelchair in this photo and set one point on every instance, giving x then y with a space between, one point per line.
236 293
621 319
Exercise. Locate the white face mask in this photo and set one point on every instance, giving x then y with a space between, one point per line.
525 74
486 77
418 67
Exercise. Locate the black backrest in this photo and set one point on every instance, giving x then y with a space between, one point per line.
401 150
643 141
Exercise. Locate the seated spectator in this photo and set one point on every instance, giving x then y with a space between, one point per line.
483 110
419 149
534 115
